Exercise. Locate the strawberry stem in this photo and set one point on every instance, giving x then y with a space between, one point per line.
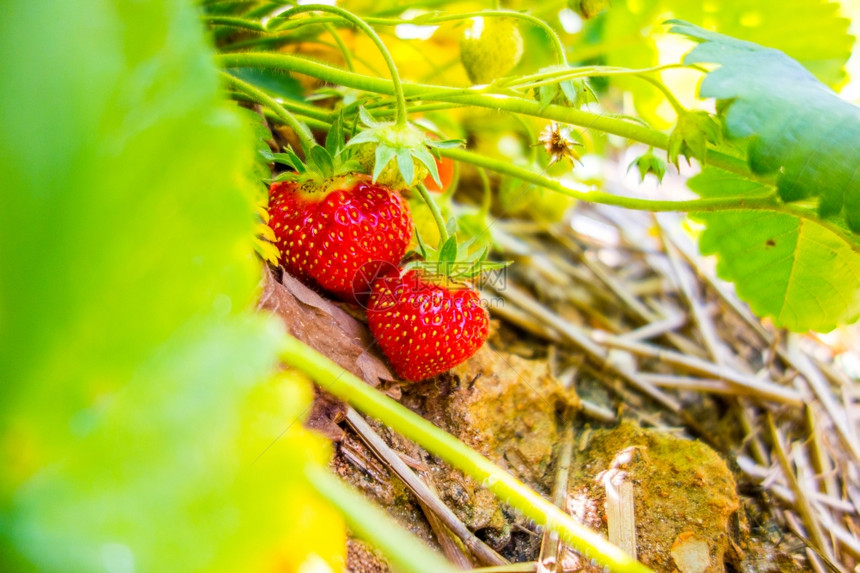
400 120
258 95
347 54
437 214
509 103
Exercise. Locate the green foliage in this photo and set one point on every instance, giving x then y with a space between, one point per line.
137 391
795 126
810 31
791 269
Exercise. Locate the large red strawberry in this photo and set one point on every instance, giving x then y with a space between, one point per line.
425 328
338 233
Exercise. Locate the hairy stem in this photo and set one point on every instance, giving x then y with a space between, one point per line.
437 214
694 205
258 95
514 104
396 84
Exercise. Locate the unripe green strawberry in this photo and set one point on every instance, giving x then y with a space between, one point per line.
490 48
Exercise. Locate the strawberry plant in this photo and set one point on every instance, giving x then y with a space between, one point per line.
144 163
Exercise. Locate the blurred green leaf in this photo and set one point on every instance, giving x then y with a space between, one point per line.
810 31
273 81
137 392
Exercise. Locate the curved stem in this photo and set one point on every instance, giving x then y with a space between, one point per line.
513 104
400 120
302 131
553 77
437 214
676 105
346 386
234 22
347 55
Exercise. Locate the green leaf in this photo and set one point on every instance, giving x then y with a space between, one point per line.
137 388
367 136
405 165
275 82
812 32
423 155
794 270
320 159
383 155
448 252
445 143
795 126
366 118
334 138
546 94
288 158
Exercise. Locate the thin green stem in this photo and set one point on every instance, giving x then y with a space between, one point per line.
302 131
514 104
347 54
341 383
437 214
676 105
397 86
552 77
766 202
234 22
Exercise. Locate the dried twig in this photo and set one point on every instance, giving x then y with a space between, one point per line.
479 549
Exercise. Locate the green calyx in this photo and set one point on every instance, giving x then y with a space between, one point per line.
575 92
323 169
398 156
692 133
649 163
454 261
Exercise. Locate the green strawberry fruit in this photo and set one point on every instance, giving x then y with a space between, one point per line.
490 48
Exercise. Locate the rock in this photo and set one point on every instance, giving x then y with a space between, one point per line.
684 495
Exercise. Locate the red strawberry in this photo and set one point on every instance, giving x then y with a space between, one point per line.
340 233
425 328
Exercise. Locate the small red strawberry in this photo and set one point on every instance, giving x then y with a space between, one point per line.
340 232
425 328
445 167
